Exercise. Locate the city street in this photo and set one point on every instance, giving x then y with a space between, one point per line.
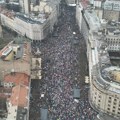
64 67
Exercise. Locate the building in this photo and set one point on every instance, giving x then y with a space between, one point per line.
87 21
104 80
113 36
17 60
17 104
104 94
24 6
36 25
18 101
108 9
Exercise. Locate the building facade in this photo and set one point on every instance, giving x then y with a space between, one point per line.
32 26
110 9
104 94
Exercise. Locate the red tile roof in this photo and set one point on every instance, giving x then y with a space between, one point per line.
17 78
19 96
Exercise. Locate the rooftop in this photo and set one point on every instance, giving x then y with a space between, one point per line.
113 27
76 93
106 75
19 96
36 17
17 78
19 65
8 13
32 19
44 114
92 19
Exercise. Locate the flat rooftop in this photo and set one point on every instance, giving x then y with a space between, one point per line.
19 96
20 65
17 78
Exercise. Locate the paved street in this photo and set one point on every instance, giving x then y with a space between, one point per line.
63 68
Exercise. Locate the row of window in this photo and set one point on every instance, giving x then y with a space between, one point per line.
112 40
113 111
114 105
109 101
115 102
114 48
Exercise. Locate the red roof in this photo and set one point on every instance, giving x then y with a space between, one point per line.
17 78
19 96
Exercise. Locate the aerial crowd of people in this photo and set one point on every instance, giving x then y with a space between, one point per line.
64 67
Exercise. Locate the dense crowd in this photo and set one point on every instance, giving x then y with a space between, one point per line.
64 66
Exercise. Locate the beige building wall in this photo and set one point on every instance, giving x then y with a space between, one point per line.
6 21
113 42
105 101
32 31
101 98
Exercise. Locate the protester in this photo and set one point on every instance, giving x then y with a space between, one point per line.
63 67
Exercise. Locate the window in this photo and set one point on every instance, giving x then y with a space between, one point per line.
109 105
108 108
109 101
114 107
113 110
114 103
118 112
110 98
